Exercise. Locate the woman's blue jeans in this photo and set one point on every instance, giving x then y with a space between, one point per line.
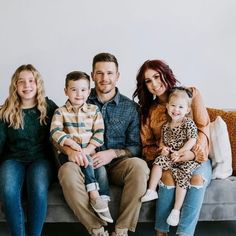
192 204
36 176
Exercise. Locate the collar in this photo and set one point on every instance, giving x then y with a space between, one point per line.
93 96
71 108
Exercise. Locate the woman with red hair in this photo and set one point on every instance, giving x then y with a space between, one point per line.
154 81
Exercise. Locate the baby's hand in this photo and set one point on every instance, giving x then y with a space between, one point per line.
175 156
165 151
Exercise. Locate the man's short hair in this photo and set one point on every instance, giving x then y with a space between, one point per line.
105 57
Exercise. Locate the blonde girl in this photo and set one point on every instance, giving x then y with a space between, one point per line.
25 151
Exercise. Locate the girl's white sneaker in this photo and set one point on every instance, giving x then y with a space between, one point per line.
173 218
149 196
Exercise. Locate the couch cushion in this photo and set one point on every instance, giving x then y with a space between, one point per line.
230 118
219 201
220 149
59 211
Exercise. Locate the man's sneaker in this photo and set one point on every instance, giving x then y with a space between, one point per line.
105 215
173 218
99 232
120 232
149 196
99 205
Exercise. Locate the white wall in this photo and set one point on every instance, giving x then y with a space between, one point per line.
196 37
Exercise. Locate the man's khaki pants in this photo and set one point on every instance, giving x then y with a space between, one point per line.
132 174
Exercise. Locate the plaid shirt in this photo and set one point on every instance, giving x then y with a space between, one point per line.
122 122
84 125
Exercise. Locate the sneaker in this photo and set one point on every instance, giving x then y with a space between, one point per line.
99 232
99 205
173 218
149 196
105 215
120 232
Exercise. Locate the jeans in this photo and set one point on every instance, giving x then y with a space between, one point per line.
192 204
35 176
95 179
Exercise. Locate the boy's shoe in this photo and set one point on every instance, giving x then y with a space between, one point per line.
105 215
149 196
99 232
99 205
120 232
173 218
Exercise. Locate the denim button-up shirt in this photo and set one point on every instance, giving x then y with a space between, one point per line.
122 123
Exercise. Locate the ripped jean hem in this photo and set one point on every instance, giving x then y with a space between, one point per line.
161 184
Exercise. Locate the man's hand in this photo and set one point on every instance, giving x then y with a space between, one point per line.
102 158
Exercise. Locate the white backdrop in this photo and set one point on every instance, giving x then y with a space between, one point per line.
197 38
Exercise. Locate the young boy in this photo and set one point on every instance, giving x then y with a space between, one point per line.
80 126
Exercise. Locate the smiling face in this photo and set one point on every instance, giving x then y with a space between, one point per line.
26 87
105 75
178 106
77 91
154 83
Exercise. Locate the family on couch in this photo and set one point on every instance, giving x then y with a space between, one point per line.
26 153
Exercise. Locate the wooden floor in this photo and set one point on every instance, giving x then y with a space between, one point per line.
227 228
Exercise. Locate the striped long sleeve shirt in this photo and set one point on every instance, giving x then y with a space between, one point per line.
84 125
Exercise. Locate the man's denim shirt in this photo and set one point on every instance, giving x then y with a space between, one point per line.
122 123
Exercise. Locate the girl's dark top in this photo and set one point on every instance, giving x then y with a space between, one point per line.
28 143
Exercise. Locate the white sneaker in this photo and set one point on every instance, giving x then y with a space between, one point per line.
106 215
99 232
120 232
173 218
149 196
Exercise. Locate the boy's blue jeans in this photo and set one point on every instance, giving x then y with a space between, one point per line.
36 176
192 204
95 179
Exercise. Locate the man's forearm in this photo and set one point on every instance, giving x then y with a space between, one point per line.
122 153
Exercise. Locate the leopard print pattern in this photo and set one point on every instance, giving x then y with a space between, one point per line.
175 139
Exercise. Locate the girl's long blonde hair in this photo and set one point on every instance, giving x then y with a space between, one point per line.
11 111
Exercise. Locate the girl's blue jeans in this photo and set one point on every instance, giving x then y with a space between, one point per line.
192 204
36 176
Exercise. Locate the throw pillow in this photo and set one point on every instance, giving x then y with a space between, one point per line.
230 119
220 150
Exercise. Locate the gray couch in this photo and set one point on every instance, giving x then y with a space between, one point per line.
219 202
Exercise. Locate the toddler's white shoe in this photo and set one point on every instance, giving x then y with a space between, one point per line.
173 218
149 196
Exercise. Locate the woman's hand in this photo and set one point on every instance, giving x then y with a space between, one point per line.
183 156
